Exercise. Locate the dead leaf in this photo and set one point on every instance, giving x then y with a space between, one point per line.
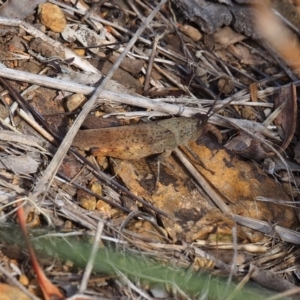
226 36
245 55
248 147
287 118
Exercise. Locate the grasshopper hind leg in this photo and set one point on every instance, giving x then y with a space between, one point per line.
159 161
197 159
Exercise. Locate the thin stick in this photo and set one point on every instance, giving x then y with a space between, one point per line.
36 126
90 263
157 104
150 63
211 192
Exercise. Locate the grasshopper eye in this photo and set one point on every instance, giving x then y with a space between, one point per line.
202 119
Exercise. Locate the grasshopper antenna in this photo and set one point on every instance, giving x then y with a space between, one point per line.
204 118
212 109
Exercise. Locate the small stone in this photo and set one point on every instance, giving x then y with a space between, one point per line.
75 101
191 32
97 188
86 200
225 85
52 17
23 279
105 208
80 52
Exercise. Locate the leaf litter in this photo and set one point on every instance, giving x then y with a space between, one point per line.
219 209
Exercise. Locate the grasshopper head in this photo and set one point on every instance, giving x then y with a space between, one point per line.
202 120
198 124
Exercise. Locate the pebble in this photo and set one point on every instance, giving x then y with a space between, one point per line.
191 32
75 101
52 17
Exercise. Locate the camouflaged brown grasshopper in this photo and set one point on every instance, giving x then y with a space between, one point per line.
133 142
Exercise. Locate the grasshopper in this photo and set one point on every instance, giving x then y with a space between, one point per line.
133 142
